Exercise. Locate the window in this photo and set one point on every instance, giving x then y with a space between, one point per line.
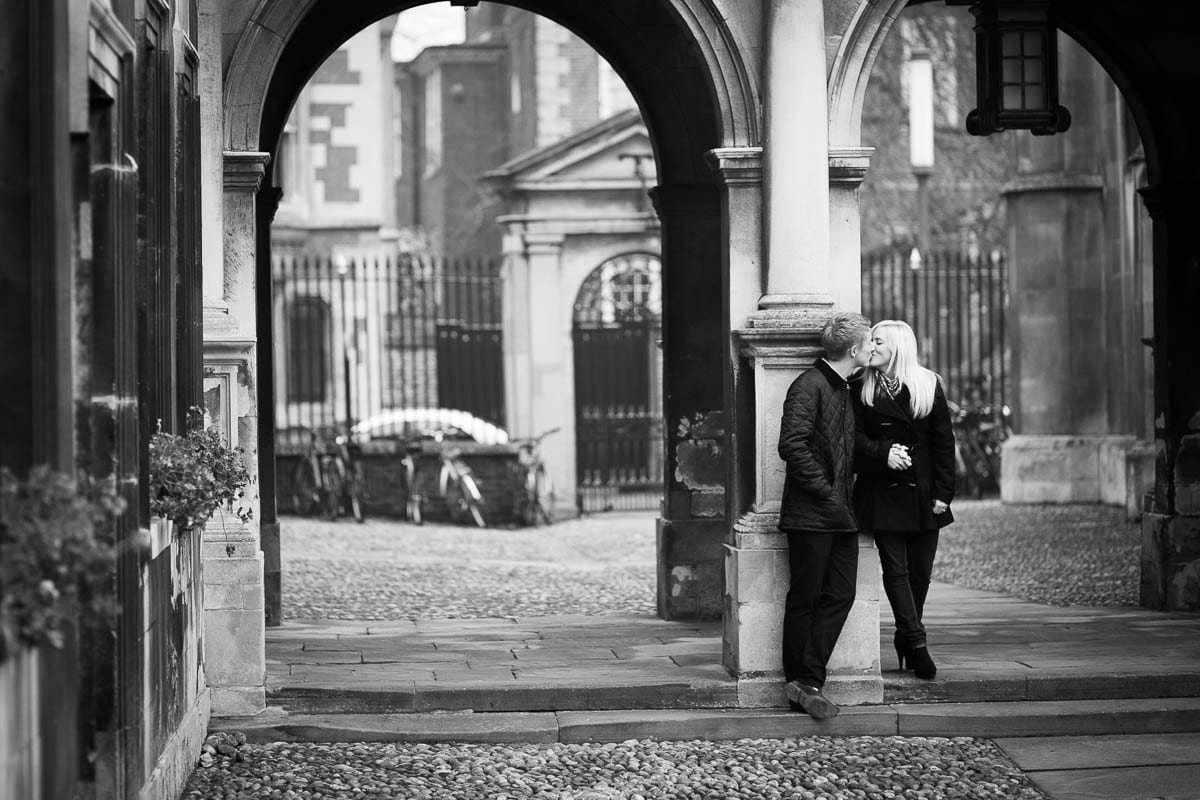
433 122
308 334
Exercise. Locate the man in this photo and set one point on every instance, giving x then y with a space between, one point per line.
816 441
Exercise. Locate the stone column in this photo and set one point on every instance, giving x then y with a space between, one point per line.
1074 443
1170 561
539 387
777 342
234 619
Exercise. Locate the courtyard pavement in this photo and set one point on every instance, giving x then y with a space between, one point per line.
518 636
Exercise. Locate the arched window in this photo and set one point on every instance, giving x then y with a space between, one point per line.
308 335
624 289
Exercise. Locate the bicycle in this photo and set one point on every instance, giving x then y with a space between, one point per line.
328 479
534 500
458 486
414 503
979 431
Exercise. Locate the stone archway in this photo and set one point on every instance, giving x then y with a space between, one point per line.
682 60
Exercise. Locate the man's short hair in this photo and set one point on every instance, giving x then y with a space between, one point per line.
842 331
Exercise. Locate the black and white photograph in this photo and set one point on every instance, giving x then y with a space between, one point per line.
599 400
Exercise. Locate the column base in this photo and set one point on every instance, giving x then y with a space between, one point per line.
757 576
235 651
1170 564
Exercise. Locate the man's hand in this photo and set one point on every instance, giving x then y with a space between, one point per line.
939 507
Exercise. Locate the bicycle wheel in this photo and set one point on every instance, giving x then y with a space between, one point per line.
305 496
334 482
352 499
472 498
543 494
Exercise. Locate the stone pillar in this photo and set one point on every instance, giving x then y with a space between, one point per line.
539 386
693 525
778 341
1075 443
1170 563
234 619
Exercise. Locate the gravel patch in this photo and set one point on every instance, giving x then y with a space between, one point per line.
362 590
391 570
1073 555
1083 555
761 769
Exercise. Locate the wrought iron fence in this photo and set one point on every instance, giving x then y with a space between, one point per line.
956 304
360 336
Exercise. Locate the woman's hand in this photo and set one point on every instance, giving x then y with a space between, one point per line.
939 507
898 457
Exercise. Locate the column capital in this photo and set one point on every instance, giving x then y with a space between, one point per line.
244 170
848 165
544 243
737 166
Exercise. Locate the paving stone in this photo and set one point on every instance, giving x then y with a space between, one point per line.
618 726
414 727
1084 752
1180 782
1081 717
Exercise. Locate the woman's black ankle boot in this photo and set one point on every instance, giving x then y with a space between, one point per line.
921 663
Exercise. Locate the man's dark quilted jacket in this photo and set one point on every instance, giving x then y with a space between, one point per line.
816 441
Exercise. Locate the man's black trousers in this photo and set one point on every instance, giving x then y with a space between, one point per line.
824 573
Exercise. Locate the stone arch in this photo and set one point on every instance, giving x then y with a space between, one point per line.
851 69
260 49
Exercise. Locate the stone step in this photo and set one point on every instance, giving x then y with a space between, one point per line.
987 720
504 696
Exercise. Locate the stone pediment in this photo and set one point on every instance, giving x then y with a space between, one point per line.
599 157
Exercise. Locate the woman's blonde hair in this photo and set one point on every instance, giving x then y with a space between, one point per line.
905 365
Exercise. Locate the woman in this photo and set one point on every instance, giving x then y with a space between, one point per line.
904 457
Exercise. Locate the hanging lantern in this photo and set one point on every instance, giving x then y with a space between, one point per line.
1016 59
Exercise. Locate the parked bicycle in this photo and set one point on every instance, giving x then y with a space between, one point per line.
414 504
979 431
533 501
328 479
458 486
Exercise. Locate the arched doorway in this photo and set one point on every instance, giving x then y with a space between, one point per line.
695 96
618 381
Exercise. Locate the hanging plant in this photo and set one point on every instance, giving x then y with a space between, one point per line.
56 555
195 474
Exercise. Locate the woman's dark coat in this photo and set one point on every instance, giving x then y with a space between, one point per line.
890 500
816 442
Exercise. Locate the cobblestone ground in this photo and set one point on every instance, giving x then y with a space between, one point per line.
604 564
756 769
1077 555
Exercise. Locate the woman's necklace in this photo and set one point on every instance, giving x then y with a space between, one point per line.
890 384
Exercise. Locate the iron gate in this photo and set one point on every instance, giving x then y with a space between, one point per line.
361 336
618 380
956 304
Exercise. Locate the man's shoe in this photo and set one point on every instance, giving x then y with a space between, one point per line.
810 700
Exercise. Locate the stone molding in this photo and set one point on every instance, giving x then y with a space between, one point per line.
795 313
848 165
544 243
1054 182
244 170
737 166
